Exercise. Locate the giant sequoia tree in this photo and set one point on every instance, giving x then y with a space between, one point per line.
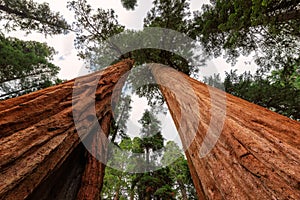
256 155
46 158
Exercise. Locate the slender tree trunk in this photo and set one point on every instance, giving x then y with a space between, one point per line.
117 192
131 195
147 158
257 155
41 155
182 189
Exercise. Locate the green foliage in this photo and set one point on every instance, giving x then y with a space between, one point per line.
179 171
28 15
93 28
129 4
239 27
270 91
25 67
170 182
270 29
214 81
96 44
171 14
150 132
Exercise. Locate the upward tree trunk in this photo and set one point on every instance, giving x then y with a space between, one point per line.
182 189
41 155
257 155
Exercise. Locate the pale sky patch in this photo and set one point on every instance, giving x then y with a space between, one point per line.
71 66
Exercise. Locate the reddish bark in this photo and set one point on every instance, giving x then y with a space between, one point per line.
37 135
257 155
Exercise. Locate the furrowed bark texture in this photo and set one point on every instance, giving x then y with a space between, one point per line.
41 154
257 155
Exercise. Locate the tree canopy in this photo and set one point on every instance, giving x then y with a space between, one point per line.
28 15
25 67
268 28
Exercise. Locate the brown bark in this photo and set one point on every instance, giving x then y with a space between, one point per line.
257 155
39 142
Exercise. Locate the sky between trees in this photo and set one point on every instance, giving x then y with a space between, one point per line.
67 59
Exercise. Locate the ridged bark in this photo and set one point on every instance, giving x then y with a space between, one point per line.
257 155
39 142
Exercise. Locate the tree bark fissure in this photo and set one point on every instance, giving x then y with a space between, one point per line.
257 154
38 137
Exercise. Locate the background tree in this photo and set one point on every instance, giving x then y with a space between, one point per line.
276 92
152 138
268 28
152 184
121 116
179 171
269 31
270 92
28 15
158 184
117 182
215 81
25 67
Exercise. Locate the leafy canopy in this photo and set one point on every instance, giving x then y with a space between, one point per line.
270 28
28 15
25 67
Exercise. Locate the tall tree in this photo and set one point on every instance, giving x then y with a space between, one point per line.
152 138
25 67
255 149
49 159
28 15
153 184
179 171
121 115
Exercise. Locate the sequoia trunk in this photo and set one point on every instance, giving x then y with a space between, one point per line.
41 154
256 155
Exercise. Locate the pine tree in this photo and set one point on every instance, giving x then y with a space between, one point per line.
28 15
268 28
25 67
